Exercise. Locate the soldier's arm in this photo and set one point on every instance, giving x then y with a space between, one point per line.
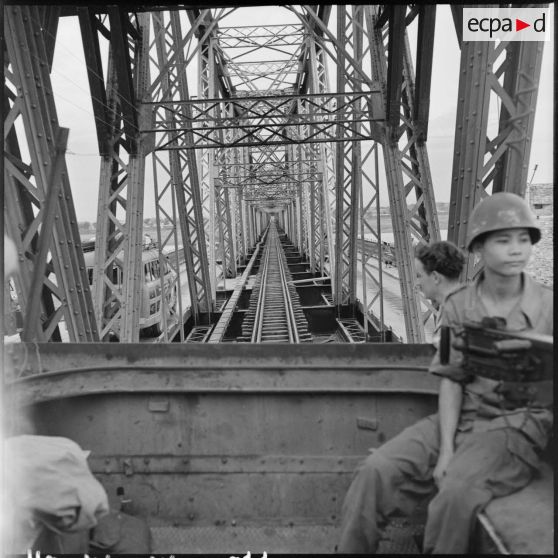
450 398
452 366
447 364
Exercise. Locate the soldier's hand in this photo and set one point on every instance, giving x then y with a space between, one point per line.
441 467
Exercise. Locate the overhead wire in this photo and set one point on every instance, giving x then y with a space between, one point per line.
95 117
114 111
79 60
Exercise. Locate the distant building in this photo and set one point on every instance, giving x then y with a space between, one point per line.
540 198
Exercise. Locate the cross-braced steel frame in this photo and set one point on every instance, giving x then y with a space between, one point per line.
52 285
264 134
494 79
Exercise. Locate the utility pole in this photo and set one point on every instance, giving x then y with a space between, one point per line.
528 189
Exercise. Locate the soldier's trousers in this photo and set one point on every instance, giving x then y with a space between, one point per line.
396 477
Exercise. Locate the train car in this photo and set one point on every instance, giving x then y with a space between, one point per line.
248 447
151 317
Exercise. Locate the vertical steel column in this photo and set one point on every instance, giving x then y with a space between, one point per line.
355 162
32 330
483 165
168 238
414 160
313 220
254 224
297 222
404 157
229 237
240 206
289 228
183 171
262 222
370 229
133 273
303 185
64 289
170 174
319 83
226 250
248 239
107 286
257 223
517 117
470 140
250 225
118 288
206 90
348 177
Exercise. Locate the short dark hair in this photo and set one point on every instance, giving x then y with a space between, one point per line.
442 256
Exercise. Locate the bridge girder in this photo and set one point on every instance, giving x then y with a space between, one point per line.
39 213
263 135
490 159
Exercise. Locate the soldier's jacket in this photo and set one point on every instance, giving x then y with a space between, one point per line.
482 407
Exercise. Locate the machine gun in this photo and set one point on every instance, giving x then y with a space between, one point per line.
522 361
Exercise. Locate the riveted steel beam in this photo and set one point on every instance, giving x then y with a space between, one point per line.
457 14
31 325
133 277
396 48
50 17
122 62
45 373
348 163
425 53
181 172
518 98
408 172
302 81
269 120
118 272
63 287
224 211
325 197
92 53
487 160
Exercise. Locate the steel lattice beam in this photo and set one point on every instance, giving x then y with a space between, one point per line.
118 297
323 202
408 172
39 210
269 120
265 135
488 160
182 170
348 162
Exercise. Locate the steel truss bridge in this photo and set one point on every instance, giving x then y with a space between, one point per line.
235 124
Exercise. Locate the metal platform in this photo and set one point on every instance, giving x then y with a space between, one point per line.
399 538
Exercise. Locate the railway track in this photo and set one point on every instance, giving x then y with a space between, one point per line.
275 314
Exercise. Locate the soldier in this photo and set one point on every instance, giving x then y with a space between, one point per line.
475 448
438 267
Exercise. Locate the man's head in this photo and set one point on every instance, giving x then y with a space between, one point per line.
505 252
438 267
502 231
500 211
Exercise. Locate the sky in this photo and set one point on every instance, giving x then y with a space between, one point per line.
70 85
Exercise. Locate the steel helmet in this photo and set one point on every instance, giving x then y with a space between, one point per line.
502 210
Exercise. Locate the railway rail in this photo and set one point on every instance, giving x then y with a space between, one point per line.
275 314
